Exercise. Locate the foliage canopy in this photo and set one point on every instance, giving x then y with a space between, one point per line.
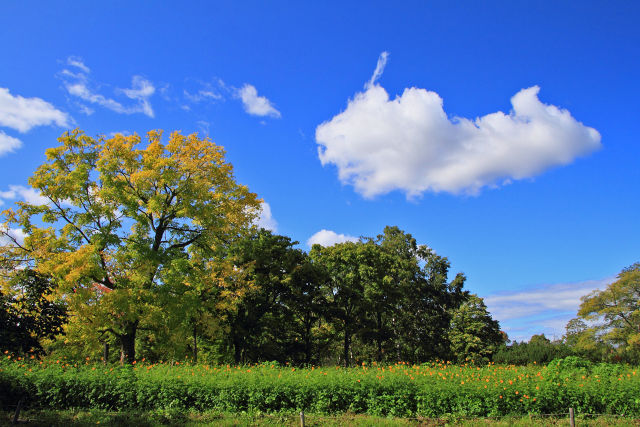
126 230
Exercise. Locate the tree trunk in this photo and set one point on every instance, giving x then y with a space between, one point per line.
379 337
396 336
105 353
307 344
237 347
195 342
128 343
346 346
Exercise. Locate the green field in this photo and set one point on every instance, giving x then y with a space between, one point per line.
174 418
434 390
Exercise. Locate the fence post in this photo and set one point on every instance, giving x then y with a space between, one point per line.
17 414
301 418
572 420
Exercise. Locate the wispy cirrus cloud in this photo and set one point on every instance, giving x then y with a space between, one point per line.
77 82
409 143
205 93
216 90
541 309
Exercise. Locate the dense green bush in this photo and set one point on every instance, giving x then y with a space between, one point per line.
398 390
524 353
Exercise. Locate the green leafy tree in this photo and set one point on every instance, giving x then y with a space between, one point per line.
584 340
474 334
345 264
392 294
539 349
27 313
614 314
425 298
259 325
539 339
307 308
127 228
381 297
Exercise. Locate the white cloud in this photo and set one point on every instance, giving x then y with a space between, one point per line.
266 219
8 143
78 84
329 238
26 194
204 127
75 61
122 132
410 144
203 91
202 95
562 296
545 308
254 104
141 90
22 114
13 233
377 73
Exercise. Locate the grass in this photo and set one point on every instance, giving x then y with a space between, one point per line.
178 418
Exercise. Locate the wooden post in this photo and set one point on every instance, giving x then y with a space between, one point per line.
572 420
17 414
301 418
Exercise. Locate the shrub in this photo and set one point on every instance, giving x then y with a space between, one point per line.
398 390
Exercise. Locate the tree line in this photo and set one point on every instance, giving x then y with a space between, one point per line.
381 299
151 250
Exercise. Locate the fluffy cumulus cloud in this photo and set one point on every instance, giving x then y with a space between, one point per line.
540 309
8 143
23 114
266 219
77 83
408 143
254 104
329 238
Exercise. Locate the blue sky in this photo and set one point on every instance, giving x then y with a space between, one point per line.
349 116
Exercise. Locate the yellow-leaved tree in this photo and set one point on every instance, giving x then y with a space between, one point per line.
130 230
613 317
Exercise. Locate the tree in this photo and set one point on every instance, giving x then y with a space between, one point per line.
258 325
307 307
425 298
584 341
614 314
345 265
127 228
382 292
391 293
27 315
539 349
539 339
474 334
